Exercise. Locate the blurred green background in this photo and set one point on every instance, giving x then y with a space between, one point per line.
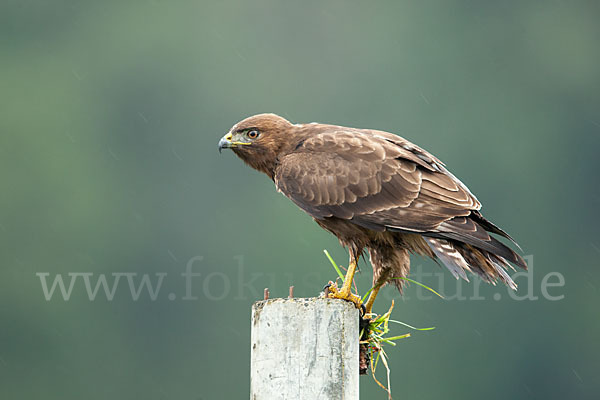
110 115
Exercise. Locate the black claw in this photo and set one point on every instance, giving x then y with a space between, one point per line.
326 287
363 326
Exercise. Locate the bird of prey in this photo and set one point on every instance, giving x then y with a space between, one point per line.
379 193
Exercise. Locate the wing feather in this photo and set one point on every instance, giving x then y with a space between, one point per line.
381 181
372 179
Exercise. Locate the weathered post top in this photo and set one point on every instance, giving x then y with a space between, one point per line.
304 349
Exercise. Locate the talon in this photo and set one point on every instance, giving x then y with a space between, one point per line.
345 292
363 310
335 293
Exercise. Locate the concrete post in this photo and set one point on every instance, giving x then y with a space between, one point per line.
304 349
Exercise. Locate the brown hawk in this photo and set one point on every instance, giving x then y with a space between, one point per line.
377 192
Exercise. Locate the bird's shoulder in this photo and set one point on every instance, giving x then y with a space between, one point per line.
365 144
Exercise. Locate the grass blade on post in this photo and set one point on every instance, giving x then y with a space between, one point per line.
337 269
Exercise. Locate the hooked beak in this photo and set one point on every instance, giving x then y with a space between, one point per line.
227 142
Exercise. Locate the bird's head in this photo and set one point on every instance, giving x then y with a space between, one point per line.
259 140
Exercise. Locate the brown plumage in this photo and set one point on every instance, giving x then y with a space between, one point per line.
377 192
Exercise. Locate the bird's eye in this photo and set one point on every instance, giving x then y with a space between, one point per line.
253 134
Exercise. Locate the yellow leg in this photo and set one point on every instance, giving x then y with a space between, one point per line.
371 299
345 291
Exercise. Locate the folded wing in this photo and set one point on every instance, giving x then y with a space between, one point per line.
383 182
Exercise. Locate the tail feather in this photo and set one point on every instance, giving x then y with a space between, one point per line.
466 230
460 258
450 257
501 265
